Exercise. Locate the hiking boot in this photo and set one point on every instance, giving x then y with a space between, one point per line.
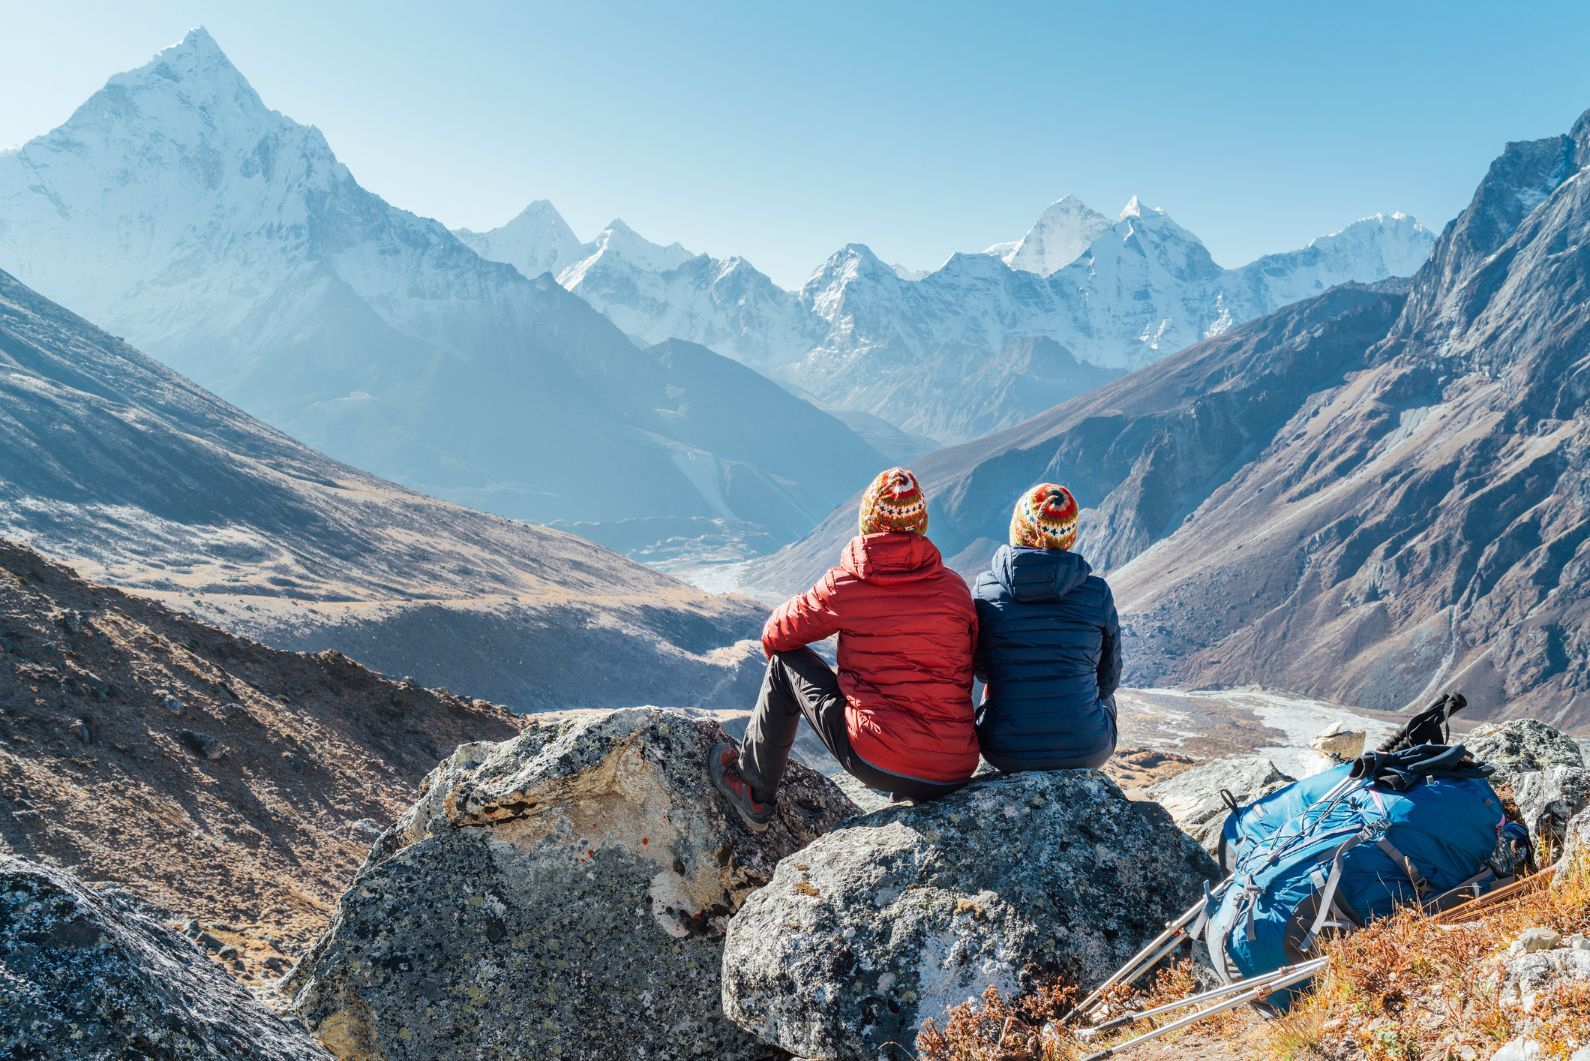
724 766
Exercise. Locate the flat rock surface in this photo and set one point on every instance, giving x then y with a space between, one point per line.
561 894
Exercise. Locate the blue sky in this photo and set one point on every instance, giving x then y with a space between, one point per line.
782 131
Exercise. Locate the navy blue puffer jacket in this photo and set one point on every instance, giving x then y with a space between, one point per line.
1049 652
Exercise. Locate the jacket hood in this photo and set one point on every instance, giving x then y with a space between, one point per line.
1038 574
894 555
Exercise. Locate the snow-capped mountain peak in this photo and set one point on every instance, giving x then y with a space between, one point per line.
1059 237
536 241
618 242
1134 208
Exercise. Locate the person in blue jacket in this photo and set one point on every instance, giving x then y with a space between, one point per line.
1049 645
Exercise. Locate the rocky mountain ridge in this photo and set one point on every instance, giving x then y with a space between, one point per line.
582 884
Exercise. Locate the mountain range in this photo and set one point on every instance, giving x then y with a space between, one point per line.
137 477
226 240
1367 496
981 343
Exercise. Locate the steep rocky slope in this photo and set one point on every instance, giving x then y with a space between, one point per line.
139 478
176 209
90 974
232 784
1427 523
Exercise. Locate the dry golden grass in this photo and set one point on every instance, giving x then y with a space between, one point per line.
1403 989
1408 987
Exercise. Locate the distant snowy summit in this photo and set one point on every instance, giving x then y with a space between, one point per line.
175 208
980 343
1060 236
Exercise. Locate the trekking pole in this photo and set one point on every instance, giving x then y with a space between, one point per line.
1253 993
1149 956
1477 908
1267 979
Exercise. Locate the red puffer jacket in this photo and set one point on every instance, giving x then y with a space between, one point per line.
907 630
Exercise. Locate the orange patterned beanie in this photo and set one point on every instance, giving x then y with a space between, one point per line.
1045 518
894 502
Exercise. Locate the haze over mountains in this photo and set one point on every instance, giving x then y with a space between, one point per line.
980 343
1364 496
175 209
135 476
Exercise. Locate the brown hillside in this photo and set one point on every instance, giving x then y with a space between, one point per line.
230 783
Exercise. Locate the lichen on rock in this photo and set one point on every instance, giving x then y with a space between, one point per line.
88 973
1521 746
560 894
897 915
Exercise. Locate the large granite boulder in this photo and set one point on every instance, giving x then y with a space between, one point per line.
88 973
900 914
1521 746
561 894
1193 796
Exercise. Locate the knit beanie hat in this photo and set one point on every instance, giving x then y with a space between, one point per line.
894 502
1045 518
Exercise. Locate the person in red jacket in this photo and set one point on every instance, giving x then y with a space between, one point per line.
898 715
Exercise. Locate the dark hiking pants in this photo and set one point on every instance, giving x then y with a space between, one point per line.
800 683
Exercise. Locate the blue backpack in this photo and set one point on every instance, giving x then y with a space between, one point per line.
1330 853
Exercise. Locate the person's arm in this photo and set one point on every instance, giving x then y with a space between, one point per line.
980 660
1110 650
803 619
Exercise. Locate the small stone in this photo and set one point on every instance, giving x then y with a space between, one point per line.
1578 941
1532 940
71 621
367 828
80 729
201 744
228 953
167 700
